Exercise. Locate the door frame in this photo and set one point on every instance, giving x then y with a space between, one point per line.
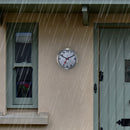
96 67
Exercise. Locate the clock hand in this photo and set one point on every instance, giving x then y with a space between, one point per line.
70 56
66 60
63 56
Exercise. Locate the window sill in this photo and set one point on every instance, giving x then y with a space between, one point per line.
25 119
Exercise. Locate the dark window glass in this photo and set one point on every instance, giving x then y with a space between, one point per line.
23 47
24 82
127 70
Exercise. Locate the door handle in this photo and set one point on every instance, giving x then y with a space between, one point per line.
124 122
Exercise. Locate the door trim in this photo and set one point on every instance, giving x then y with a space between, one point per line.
96 67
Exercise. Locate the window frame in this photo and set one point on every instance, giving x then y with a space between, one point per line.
12 100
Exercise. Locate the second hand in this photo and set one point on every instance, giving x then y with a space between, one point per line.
66 60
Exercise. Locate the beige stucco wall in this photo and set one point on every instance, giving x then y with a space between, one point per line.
66 94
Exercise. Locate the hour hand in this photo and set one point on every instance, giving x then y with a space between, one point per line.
63 56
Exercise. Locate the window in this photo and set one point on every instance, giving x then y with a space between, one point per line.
22 65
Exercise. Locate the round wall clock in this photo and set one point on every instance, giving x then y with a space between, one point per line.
67 58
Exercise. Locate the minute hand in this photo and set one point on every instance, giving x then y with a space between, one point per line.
71 56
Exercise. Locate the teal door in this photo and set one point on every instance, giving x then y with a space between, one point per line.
115 87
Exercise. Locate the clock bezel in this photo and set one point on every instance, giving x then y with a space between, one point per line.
75 57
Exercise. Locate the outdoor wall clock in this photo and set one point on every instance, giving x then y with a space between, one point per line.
67 58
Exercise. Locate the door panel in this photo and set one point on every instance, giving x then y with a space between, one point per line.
114 91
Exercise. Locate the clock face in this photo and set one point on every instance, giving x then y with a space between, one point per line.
67 58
